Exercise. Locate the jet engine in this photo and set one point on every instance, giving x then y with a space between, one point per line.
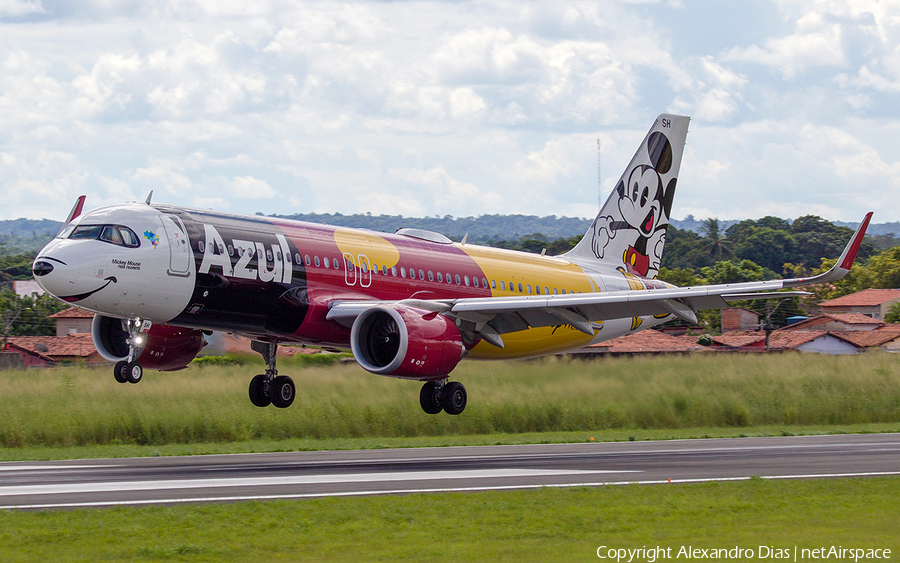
165 347
406 342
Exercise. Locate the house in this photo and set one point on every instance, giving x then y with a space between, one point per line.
738 318
645 342
886 338
872 303
816 341
27 288
48 350
72 321
836 322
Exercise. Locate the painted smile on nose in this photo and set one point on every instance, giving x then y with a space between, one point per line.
80 296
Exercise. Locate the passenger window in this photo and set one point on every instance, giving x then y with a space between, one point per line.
563 291
421 275
308 260
394 271
430 275
528 287
458 281
334 263
475 282
402 272
384 269
467 281
317 261
520 288
440 277
484 283
502 285
448 278
537 289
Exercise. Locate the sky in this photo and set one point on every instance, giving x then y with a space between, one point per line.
459 108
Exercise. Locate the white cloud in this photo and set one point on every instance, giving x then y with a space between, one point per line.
20 7
430 107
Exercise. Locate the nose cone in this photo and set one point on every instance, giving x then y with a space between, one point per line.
51 271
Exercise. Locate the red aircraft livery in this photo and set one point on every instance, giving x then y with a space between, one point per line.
411 304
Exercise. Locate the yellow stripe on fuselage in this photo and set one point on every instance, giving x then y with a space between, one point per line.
551 275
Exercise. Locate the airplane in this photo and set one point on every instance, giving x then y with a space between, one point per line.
408 305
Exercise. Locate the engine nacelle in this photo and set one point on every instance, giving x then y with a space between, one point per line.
166 348
406 342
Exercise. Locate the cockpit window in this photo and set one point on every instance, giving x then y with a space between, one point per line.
86 232
113 234
66 232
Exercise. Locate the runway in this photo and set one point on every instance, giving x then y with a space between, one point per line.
297 475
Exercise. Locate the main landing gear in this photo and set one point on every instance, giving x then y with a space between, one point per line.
270 388
447 396
129 370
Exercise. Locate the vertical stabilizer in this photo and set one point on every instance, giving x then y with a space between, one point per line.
630 230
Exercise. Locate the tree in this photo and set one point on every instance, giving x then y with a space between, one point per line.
893 314
767 247
682 277
28 316
728 271
715 245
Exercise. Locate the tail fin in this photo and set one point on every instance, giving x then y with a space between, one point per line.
630 230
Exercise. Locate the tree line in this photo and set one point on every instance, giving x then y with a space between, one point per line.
749 250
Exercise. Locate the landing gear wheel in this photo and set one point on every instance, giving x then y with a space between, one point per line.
282 391
430 397
453 398
258 395
119 371
134 372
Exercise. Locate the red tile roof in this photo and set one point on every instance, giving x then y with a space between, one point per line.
739 338
56 347
846 318
870 338
864 298
72 313
781 340
648 341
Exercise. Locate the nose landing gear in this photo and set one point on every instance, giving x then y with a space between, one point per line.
271 388
129 370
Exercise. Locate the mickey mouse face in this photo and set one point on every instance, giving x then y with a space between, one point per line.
639 203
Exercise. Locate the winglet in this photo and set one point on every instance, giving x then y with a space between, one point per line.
843 264
76 211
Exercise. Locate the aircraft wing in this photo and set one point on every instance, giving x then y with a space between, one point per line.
490 317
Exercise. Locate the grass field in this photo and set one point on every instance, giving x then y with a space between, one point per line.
544 525
80 406
81 412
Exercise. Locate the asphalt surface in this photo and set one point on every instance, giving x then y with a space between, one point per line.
229 478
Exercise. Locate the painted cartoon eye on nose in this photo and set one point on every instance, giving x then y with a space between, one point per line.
41 268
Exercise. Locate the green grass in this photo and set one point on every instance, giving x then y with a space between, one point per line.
341 405
544 525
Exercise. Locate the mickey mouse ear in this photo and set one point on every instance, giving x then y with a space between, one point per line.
660 152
